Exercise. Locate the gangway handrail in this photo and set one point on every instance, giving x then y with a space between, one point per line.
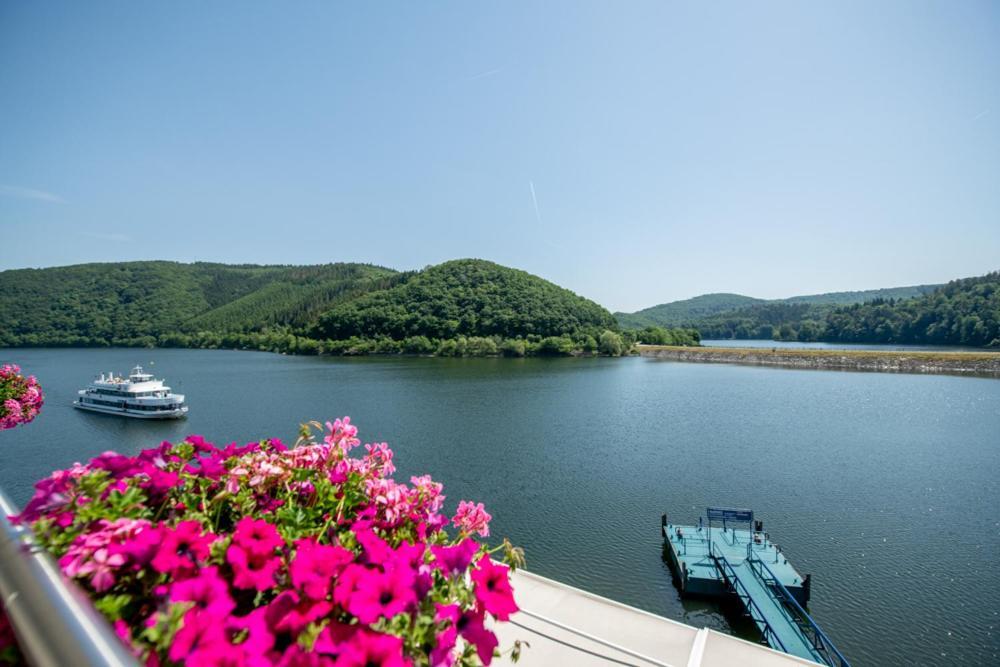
825 644
768 632
55 624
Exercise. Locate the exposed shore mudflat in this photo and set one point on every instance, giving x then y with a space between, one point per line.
963 363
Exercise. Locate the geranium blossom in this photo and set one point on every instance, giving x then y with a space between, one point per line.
20 397
260 555
472 518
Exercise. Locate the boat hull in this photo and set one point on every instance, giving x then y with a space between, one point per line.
135 414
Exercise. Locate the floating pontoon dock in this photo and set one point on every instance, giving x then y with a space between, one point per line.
713 560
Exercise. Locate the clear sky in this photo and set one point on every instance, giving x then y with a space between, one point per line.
634 152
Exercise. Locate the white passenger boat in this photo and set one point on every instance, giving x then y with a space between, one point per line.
140 395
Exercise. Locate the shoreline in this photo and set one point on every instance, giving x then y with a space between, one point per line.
983 364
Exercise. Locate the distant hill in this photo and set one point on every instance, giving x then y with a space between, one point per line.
963 312
681 313
347 308
848 298
706 311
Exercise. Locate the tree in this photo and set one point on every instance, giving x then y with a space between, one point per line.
611 344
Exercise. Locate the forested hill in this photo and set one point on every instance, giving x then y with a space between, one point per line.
695 312
137 302
682 313
963 312
459 307
466 297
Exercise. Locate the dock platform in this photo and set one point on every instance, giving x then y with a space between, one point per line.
715 561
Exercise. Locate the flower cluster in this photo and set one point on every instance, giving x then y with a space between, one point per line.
267 555
20 397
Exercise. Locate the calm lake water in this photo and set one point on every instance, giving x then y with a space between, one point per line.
885 487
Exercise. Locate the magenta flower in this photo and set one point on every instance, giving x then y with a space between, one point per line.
208 591
376 550
252 570
452 560
472 518
493 590
372 649
368 553
471 624
333 638
315 567
290 613
259 639
379 594
258 537
183 549
200 642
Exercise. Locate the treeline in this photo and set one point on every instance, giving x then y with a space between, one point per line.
459 308
963 312
607 343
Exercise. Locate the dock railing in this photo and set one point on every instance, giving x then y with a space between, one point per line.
821 643
770 636
54 622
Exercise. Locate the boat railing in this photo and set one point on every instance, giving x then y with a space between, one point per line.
54 622
820 642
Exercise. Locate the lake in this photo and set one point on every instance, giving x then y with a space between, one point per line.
885 487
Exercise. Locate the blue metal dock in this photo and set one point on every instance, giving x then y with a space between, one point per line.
713 560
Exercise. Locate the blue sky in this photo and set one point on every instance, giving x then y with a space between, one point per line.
634 152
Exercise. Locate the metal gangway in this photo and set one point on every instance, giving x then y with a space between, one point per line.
783 623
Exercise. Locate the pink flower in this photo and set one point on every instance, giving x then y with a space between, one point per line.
201 641
315 567
493 589
291 613
183 549
258 537
376 549
472 518
380 594
252 570
471 625
259 639
208 592
443 653
456 559
334 637
372 649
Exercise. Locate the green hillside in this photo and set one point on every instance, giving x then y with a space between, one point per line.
682 313
466 297
849 298
963 312
459 308
137 302
729 316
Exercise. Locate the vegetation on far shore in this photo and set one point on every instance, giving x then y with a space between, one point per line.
962 312
465 308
